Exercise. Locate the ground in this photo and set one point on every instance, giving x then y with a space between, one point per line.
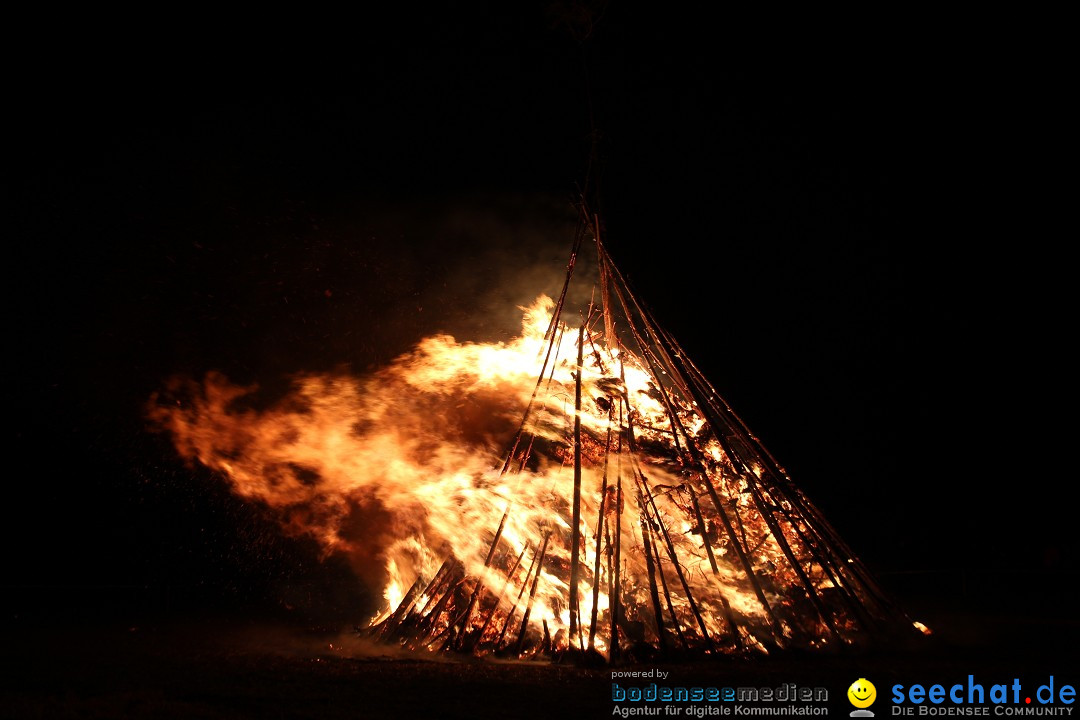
235 668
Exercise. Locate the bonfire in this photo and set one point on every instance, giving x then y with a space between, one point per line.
581 490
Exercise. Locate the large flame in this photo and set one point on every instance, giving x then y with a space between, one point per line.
407 469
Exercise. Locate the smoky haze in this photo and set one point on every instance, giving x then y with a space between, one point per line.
362 285
476 260
344 303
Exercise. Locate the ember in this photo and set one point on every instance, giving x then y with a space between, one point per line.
581 488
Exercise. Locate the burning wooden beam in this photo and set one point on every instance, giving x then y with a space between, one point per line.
575 522
600 526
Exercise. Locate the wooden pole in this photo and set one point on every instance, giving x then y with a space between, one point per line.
646 493
532 594
646 541
463 622
849 564
781 540
498 600
513 610
676 427
453 581
667 598
391 625
550 337
616 591
743 558
600 534
575 523
403 606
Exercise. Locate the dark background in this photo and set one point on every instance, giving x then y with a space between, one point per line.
854 233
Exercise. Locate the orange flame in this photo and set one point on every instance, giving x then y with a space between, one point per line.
406 468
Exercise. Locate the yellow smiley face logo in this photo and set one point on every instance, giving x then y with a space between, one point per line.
862 693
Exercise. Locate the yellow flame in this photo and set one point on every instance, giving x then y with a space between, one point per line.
402 471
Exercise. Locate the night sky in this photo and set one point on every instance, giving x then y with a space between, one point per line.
854 237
